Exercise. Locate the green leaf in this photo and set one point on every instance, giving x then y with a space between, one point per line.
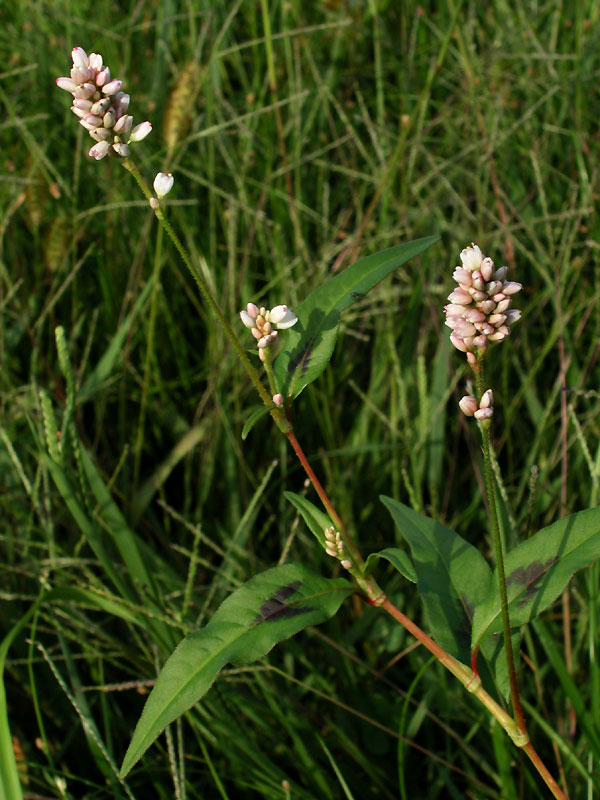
271 607
538 570
398 558
309 344
257 414
452 576
316 519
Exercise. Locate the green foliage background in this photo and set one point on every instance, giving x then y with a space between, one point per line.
398 120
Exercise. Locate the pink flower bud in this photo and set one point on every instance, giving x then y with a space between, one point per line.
121 149
468 405
478 282
278 399
484 413
493 287
93 120
512 287
252 310
474 315
500 274
101 134
461 275
80 58
478 297
79 112
99 150
498 336
487 306
480 341
112 87
512 316
108 120
502 306
123 125
256 333
103 77
99 107
464 329
68 84
497 319
487 269
458 342
458 297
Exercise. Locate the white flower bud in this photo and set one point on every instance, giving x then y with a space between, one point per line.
484 413
471 258
458 297
163 183
140 131
487 400
247 319
96 61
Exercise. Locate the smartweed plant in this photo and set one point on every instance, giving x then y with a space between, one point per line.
474 612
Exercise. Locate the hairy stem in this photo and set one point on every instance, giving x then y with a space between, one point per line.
489 482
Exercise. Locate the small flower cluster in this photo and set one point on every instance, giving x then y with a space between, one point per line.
334 547
479 312
101 105
484 409
262 323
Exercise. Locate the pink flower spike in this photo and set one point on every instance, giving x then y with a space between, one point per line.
112 87
80 57
140 131
68 84
99 150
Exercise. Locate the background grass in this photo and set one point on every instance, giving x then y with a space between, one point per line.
396 120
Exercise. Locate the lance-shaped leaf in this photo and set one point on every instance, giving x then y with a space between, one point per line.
452 576
397 558
269 608
538 570
309 344
316 519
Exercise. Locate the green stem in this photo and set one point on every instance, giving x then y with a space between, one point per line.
139 439
277 413
269 370
484 427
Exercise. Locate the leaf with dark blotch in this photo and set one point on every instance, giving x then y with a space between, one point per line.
538 570
452 576
289 598
308 346
276 607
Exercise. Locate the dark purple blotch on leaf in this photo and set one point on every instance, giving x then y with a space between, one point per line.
528 576
276 608
302 360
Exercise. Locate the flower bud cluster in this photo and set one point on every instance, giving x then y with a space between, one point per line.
479 311
101 105
263 323
484 409
334 547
